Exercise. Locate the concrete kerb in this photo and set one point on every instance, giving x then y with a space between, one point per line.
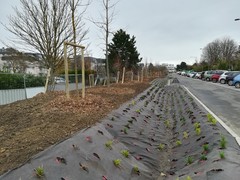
215 116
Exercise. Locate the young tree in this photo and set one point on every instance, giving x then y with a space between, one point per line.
104 25
123 51
44 25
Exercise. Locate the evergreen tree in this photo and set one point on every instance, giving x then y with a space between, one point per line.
123 52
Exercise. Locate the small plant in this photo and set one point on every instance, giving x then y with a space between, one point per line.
196 125
112 119
223 142
185 135
188 178
205 148
210 117
125 130
108 144
178 143
136 170
189 160
198 131
221 155
167 123
133 102
203 157
138 111
39 171
161 146
125 153
117 162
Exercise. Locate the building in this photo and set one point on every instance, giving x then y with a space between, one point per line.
170 67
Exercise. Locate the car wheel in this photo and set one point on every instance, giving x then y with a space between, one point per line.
222 81
207 79
237 85
230 83
214 80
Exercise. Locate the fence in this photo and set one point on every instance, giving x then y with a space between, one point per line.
14 87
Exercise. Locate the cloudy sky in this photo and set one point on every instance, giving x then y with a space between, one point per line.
166 31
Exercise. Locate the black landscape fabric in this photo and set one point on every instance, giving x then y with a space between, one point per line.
161 134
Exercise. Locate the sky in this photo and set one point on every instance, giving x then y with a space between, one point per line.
166 31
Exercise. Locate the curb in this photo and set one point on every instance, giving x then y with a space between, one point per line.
216 117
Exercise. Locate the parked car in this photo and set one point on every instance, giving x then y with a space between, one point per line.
216 76
202 75
198 75
222 78
207 75
59 80
236 81
192 74
231 76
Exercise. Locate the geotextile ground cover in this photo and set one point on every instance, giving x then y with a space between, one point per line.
160 134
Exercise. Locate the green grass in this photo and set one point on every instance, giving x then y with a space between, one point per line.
203 157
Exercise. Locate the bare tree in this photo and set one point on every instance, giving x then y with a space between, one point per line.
211 53
77 19
44 25
219 51
104 25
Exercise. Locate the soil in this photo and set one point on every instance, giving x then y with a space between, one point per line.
30 126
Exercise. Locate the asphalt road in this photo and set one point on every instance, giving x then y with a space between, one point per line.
221 99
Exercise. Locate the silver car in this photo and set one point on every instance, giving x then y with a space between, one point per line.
222 78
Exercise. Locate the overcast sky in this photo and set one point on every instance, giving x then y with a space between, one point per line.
166 31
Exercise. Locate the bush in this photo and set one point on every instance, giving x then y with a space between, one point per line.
16 81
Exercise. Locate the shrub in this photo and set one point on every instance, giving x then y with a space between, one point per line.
185 135
198 131
117 162
108 144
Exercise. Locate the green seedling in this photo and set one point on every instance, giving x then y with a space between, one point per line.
117 162
214 122
178 143
188 178
167 123
108 144
223 142
161 146
39 171
125 153
210 117
205 148
112 119
196 125
136 170
133 102
203 157
125 130
185 135
138 111
189 160
198 131
221 155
